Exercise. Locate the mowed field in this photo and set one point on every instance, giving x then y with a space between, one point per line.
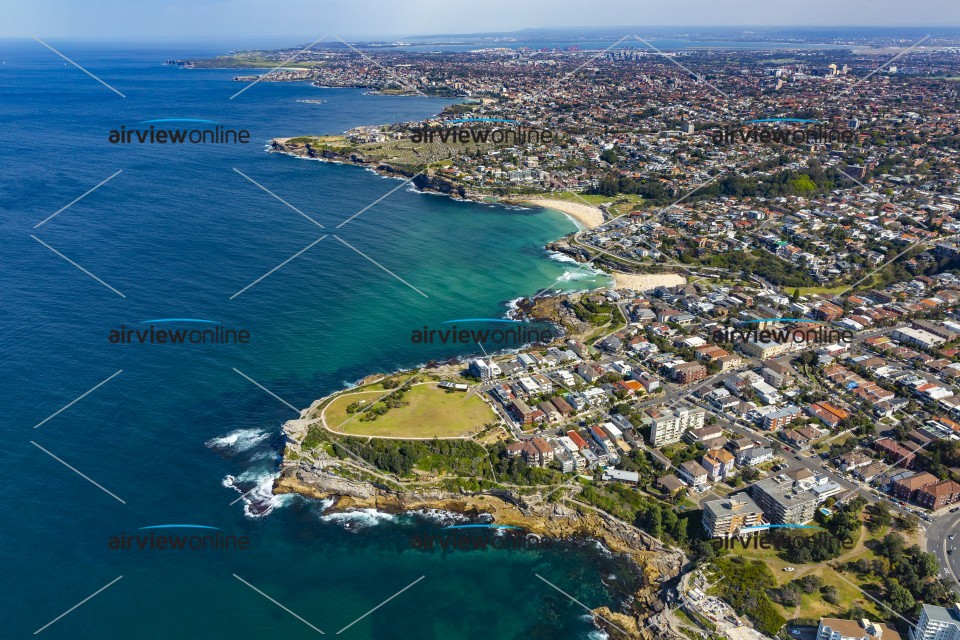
431 412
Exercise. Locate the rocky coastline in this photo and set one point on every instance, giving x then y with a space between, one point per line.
328 478
331 479
422 181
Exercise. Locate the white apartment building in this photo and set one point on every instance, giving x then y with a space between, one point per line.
668 427
937 623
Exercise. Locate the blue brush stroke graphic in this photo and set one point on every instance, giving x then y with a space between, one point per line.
162 320
159 120
780 120
180 526
481 320
480 526
779 320
484 120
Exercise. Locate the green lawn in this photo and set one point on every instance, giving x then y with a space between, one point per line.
813 605
430 412
632 200
808 291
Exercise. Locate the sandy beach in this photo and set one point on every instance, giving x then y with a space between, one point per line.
646 281
588 216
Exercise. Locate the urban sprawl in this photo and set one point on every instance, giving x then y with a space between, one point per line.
786 187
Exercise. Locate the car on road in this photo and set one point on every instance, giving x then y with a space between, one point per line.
797 457
955 509
951 536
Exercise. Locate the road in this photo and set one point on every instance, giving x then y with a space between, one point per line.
938 542
801 459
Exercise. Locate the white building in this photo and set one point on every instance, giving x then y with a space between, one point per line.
668 427
917 337
483 370
937 623
622 367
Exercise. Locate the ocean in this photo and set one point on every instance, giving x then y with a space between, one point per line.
174 434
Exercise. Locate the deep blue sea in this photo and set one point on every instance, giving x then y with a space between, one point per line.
178 433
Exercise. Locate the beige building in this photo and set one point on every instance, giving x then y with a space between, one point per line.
840 629
724 518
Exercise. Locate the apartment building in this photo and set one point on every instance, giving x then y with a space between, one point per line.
668 426
937 623
725 518
787 498
840 629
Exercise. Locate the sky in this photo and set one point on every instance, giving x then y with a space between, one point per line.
307 20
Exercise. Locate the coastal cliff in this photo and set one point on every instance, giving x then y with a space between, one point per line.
422 180
324 479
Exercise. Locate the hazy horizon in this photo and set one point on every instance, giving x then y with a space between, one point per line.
378 19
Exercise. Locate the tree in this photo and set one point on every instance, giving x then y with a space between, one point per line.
831 594
655 521
809 584
899 597
750 474
908 522
880 517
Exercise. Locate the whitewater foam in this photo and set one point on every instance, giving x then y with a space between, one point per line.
258 499
358 519
238 441
560 257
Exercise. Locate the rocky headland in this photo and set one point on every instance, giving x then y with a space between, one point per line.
316 475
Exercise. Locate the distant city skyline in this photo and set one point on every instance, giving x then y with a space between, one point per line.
299 20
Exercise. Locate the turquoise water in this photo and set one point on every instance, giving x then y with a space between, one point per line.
178 434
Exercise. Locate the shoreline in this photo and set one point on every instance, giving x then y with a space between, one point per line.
655 564
586 216
319 479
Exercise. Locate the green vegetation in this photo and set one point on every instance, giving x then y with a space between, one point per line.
744 584
422 411
809 291
759 262
337 144
789 182
902 576
473 464
802 548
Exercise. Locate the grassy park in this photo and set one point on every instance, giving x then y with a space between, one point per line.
428 412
